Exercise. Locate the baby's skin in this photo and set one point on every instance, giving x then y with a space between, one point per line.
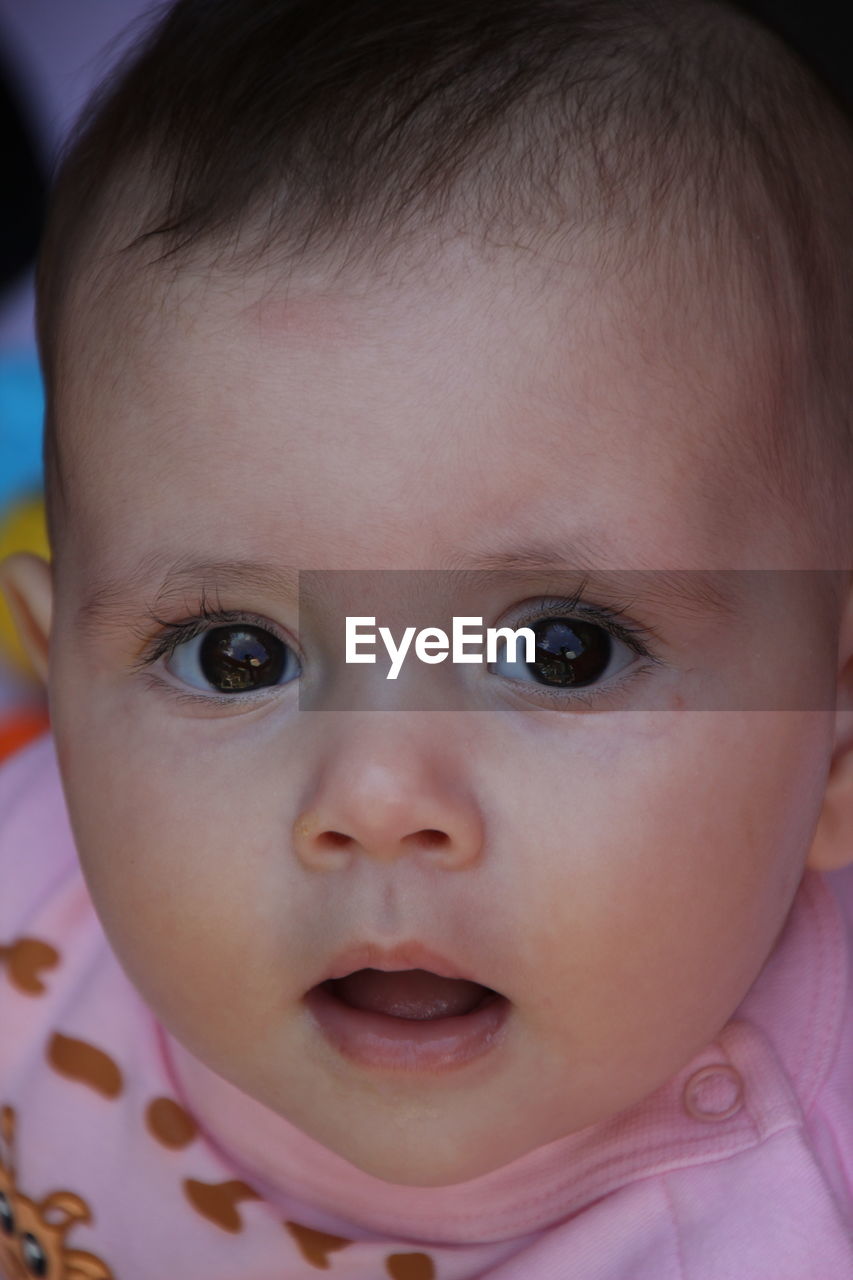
618 868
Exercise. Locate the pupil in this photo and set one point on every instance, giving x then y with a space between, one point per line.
241 657
572 653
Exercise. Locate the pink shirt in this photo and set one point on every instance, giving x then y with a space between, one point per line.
122 1156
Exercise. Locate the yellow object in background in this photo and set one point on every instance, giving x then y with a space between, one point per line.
22 528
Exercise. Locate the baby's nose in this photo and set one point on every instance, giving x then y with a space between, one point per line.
374 806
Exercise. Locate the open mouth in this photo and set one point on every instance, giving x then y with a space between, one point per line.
408 1019
414 994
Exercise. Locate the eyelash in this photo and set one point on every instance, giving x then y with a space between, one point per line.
173 634
614 620
640 639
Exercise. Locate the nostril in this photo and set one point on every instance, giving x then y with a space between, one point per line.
429 836
335 839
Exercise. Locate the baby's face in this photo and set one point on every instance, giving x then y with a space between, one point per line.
618 868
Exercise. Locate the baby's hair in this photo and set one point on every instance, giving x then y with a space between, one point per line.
337 132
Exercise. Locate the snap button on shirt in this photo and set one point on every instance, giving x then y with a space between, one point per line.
713 1093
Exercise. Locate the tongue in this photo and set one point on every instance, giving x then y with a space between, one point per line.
412 993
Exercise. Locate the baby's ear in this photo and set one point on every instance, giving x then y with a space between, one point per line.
832 846
27 583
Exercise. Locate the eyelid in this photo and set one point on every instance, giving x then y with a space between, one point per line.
634 635
638 637
173 634
593 696
612 619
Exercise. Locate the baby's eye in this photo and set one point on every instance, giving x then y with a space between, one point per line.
236 658
570 653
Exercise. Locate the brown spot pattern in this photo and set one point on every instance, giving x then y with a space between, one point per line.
216 1201
85 1063
410 1266
170 1123
315 1246
24 958
82 1265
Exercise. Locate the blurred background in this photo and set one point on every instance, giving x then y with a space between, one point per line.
52 54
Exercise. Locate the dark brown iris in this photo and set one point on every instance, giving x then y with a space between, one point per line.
570 652
241 657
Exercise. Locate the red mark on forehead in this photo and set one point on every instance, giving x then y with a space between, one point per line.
309 320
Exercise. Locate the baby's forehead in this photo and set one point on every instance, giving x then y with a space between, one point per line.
478 394
732 166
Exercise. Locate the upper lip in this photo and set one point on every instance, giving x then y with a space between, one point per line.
406 955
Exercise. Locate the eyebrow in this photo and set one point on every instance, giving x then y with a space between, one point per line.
694 591
162 581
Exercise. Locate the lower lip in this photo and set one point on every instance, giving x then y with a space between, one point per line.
408 1044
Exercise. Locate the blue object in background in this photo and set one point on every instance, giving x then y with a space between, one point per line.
21 418
21 415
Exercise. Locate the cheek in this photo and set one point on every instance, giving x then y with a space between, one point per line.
178 862
673 849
